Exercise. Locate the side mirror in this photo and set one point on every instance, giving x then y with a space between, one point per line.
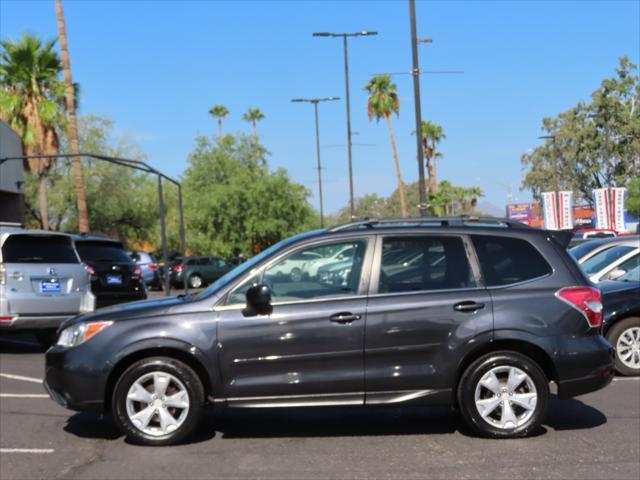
615 274
258 301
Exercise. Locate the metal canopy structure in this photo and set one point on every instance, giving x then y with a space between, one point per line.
143 167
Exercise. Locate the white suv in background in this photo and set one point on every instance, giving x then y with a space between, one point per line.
42 282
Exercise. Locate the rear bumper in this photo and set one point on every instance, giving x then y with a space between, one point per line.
22 322
590 383
596 369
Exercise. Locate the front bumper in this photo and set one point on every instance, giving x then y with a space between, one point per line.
73 381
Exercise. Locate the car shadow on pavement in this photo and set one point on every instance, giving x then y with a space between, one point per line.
20 344
572 414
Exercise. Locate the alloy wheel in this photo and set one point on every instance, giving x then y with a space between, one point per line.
157 403
628 347
506 397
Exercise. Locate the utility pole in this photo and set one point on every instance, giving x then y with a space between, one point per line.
315 102
346 81
416 94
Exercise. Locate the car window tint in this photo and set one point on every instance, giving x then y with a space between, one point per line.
314 272
629 264
583 249
192 261
506 260
600 260
221 263
102 252
411 264
38 249
237 295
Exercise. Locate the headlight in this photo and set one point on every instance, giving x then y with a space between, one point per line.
80 333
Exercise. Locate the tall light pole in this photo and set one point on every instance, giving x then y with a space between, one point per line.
415 71
315 102
346 81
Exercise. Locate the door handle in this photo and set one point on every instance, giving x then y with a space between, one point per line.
344 317
468 306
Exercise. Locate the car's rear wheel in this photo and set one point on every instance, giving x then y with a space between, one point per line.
503 395
158 401
195 281
625 337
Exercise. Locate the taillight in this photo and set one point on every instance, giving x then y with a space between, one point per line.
137 271
585 299
6 319
152 266
3 275
91 270
178 268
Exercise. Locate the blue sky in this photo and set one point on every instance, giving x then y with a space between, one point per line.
156 68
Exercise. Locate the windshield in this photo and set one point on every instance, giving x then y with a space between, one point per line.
600 260
248 265
580 251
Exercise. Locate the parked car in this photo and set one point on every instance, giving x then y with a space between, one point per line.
487 329
611 263
585 250
585 234
621 303
149 268
42 282
297 267
115 278
199 271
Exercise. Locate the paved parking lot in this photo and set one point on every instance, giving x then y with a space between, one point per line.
596 436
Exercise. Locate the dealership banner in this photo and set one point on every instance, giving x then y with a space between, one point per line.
520 212
602 208
565 199
550 210
617 209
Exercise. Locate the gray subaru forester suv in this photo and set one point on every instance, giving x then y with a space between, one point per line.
481 314
42 282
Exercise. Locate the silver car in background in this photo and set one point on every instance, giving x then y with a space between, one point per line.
42 282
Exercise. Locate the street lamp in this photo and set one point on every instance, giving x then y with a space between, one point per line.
344 36
315 102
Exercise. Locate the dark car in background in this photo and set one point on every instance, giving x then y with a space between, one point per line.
483 314
198 271
149 267
115 278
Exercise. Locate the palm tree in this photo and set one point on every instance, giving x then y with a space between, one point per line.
31 102
70 94
383 103
219 111
432 135
253 115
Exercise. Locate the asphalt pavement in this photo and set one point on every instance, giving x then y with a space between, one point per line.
596 436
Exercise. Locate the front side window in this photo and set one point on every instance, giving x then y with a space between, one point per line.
310 273
506 260
413 264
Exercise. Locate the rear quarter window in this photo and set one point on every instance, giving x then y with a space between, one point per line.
38 249
506 260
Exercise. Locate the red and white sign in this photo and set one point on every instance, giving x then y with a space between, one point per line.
550 210
602 208
617 209
566 213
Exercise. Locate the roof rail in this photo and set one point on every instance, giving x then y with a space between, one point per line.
458 221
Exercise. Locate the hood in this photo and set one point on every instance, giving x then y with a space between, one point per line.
128 311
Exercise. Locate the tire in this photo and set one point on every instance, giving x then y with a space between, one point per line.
195 281
530 387
160 429
46 338
625 337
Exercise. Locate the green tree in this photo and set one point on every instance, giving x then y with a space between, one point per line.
368 206
32 103
253 116
592 145
432 135
234 203
383 102
633 197
219 111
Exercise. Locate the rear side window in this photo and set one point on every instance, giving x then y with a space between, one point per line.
411 264
506 260
102 252
38 249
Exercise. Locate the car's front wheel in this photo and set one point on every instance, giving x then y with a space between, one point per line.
503 395
158 401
